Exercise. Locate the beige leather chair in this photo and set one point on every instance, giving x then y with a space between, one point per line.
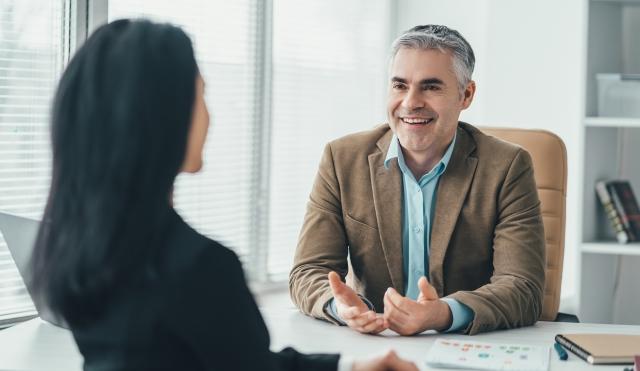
549 157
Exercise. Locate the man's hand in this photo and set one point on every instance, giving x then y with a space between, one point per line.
388 362
408 317
353 310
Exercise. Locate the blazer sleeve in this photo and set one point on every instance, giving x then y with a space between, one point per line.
322 245
217 317
513 297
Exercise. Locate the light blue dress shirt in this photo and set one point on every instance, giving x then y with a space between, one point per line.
418 210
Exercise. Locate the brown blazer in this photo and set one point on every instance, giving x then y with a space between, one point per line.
487 240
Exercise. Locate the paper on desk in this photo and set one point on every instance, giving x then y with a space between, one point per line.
474 355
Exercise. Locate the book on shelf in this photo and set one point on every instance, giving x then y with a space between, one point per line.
626 205
610 210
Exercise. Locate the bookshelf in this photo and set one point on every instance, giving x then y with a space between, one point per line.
608 273
611 248
612 122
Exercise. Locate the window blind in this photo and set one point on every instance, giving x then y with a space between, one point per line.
325 76
31 56
329 79
219 201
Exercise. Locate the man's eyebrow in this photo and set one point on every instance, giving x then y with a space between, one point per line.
429 81
432 81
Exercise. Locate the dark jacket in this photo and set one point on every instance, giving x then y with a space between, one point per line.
190 309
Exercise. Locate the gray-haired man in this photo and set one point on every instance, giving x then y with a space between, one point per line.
441 223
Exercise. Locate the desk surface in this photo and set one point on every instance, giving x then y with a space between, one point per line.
37 345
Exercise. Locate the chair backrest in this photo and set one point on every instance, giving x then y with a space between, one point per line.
549 157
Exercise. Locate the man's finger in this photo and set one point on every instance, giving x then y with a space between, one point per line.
396 299
363 319
395 324
426 290
349 313
392 311
395 317
374 326
392 322
343 292
384 326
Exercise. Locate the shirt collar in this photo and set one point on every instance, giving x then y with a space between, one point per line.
394 151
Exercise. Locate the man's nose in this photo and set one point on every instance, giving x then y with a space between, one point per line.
413 100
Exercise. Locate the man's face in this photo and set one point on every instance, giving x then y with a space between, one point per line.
424 100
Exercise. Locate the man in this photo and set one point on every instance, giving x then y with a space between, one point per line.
441 223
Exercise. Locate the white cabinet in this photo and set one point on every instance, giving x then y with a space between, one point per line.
609 274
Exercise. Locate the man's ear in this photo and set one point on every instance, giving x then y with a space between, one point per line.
468 94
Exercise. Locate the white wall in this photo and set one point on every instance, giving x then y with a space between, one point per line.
529 71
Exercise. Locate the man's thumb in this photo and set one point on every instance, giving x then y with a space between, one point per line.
343 292
426 290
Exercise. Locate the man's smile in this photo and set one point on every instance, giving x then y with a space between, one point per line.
416 120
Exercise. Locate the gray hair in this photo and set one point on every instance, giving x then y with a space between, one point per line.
442 38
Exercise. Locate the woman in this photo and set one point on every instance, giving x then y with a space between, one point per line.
138 287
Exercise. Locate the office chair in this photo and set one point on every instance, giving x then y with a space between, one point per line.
549 157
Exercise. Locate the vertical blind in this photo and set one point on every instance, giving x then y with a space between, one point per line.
329 62
31 53
276 94
219 200
329 79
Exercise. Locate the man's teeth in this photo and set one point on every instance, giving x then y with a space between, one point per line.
416 121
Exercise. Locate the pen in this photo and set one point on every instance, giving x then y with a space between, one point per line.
562 354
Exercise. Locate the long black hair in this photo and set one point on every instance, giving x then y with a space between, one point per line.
120 122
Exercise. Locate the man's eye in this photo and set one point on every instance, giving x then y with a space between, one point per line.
432 87
398 86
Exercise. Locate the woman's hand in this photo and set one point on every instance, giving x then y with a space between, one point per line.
388 362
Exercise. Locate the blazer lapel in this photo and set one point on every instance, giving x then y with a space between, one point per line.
452 191
387 200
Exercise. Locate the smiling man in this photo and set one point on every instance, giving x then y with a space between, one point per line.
441 223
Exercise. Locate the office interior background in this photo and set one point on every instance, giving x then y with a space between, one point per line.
286 76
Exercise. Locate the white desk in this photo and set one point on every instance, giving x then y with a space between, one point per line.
290 328
37 345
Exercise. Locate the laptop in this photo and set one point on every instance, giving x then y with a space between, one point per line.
20 235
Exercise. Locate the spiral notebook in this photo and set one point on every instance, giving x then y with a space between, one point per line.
602 348
475 355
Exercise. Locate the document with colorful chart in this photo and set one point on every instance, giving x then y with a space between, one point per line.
475 355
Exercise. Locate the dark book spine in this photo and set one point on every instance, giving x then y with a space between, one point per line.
627 206
610 210
575 349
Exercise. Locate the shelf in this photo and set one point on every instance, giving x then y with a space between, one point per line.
611 248
612 122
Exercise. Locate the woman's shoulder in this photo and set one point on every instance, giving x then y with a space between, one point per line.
187 249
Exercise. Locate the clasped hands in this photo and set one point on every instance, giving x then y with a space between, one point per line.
401 314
